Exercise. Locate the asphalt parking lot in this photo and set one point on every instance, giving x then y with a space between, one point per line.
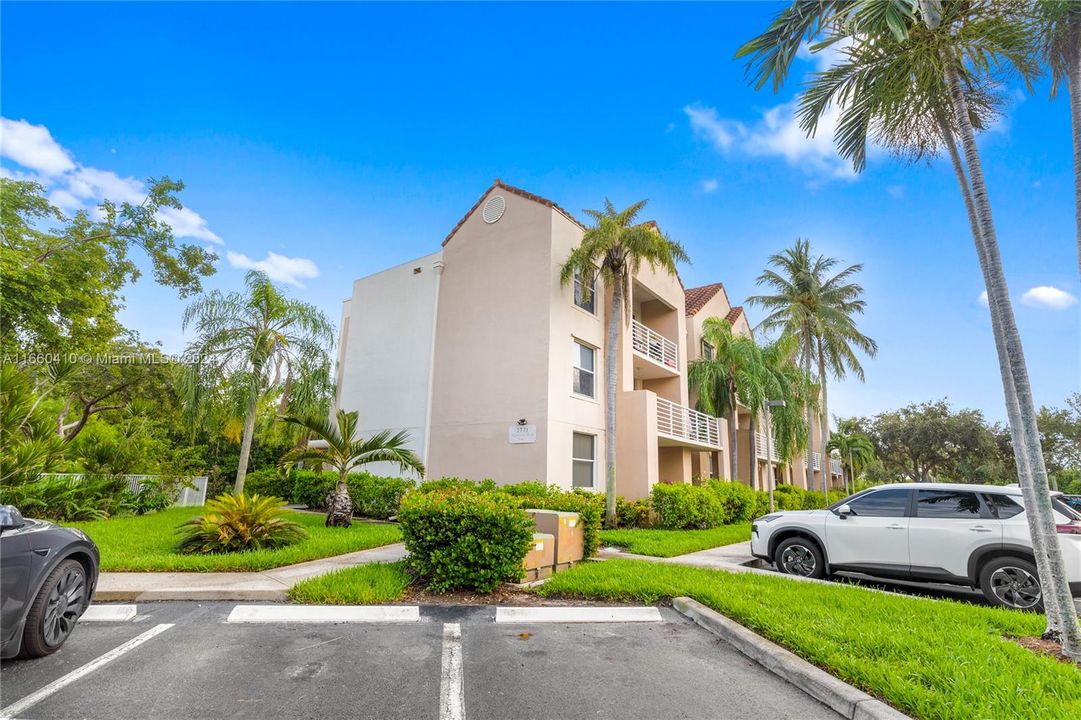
454 663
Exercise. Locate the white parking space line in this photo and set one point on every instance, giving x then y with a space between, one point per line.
323 613
109 613
34 698
451 679
577 614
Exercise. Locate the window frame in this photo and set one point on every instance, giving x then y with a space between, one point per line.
577 369
707 350
579 288
909 509
983 512
575 460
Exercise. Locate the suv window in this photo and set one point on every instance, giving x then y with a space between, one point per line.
1003 506
882 503
947 504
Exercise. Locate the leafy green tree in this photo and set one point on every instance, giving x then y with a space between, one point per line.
260 338
615 248
345 451
29 444
720 381
818 307
856 451
1060 436
62 276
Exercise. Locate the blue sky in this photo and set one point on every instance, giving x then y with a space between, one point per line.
344 138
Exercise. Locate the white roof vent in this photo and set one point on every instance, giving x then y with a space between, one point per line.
493 209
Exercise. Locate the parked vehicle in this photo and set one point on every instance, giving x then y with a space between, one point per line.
1074 501
47 578
974 535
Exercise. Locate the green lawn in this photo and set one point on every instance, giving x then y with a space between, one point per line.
669 543
145 543
933 659
369 584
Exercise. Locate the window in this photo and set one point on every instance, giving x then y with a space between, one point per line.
584 454
707 351
584 357
1003 506
881 503
947 504
588 304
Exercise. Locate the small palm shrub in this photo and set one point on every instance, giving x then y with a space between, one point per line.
235 523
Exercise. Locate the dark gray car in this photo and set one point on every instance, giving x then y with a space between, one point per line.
47 577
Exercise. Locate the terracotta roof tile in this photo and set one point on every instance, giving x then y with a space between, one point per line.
734 314
698 297
519 192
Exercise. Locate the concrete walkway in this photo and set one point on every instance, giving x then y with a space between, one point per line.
268 585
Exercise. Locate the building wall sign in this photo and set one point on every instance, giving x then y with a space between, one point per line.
518 434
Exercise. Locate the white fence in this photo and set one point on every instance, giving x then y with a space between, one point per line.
647 341
188 496
682 422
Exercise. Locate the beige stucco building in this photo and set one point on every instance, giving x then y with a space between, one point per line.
496 369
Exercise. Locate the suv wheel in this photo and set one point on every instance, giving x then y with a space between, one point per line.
1012 582
800 556
58 605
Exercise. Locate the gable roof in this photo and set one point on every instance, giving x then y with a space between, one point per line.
696 298
520 193
734 314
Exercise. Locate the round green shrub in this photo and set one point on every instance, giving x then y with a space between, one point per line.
375 496
686 507
463 539
269 482
737 499
634 513
311 487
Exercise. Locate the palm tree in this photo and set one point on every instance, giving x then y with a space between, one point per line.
936 62
260 336
1057 25
724 378
819 309
615 248
784 380
856 451
344 452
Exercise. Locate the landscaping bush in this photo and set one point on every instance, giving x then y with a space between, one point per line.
737 499
686 507
463 539
375 496
788 497
70 497
634 513
456 483
311 487
269 482
588 505
235 523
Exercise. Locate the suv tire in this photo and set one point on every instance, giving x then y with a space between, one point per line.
1012 582
55 610
800 556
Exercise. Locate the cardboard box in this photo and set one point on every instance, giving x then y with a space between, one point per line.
542 553
566 527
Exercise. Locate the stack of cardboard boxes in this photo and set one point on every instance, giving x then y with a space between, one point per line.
557 544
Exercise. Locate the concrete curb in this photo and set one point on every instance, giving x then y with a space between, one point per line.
819 684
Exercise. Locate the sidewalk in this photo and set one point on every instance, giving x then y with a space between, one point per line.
268 585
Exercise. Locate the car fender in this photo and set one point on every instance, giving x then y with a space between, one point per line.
76 547
793 530
980 554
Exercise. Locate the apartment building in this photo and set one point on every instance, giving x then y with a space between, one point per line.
497 370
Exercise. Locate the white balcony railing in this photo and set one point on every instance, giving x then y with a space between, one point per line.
760 448
683 423
816 461
653 345
835 467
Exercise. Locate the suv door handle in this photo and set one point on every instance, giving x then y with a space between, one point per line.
979 528
895 527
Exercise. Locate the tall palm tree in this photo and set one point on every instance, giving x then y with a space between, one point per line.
783 379
615 248
937 62
856 451
261 336
724 378
345 451
818 307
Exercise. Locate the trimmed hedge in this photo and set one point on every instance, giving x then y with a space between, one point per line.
686 507
311 487
269 482
634 513
738 500
463 539
377 497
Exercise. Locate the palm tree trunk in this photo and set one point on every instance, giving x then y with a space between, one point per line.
1032 472
733 452
610 370
810 413
245 442
340 507
753 450
827 470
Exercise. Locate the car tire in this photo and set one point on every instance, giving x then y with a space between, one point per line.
54 612
800 556
1012 582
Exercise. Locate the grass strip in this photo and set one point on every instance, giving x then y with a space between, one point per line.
145 543
369 584
669 543
933 659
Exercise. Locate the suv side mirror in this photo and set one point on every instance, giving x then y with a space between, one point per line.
844 511
10 518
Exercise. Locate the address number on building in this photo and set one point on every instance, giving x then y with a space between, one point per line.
518 434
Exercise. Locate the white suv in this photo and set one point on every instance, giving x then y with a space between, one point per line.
974 535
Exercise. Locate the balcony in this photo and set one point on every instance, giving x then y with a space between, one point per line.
760 448
835 467
687 426
816 461
655 356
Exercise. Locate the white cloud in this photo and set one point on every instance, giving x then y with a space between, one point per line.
982 298
73 186
776 133
277 267
33 147
710 185
1046 296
